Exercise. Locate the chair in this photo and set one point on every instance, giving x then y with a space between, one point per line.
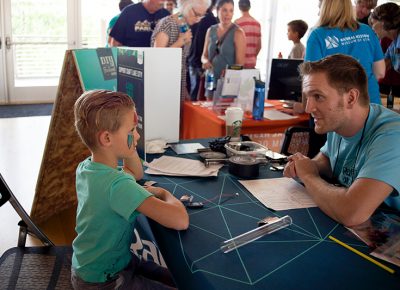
44 267
303 140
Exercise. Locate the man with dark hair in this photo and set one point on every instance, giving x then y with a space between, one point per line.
361 153
136 24
252 31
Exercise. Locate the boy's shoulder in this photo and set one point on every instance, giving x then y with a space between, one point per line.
98 168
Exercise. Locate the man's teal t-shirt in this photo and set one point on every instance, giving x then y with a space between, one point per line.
371 153
107 202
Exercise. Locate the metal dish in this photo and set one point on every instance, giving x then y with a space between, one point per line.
245 148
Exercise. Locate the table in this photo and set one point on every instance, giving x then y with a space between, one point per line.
298 257
200 122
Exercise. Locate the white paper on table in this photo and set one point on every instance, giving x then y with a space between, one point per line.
268 105
175 166
186 148
279 193
277 115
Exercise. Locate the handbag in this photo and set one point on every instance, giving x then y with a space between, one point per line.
201 91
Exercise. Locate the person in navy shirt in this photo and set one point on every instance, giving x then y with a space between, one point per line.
136 23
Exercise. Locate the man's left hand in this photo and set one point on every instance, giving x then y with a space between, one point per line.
300 166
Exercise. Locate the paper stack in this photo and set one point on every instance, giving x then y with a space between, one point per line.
175 166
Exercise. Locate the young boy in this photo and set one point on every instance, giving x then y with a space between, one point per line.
109 199
296 30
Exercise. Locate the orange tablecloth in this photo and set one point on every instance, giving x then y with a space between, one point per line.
200 122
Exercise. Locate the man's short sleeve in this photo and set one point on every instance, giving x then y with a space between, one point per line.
382 160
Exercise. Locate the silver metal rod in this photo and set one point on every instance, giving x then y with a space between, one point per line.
255 234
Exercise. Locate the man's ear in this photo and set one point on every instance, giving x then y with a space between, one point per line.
352 97
104 138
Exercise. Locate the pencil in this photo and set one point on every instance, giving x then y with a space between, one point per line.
362 255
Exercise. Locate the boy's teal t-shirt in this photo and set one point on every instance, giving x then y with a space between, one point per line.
107 202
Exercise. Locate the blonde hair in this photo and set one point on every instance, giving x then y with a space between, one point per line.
100 110
337 14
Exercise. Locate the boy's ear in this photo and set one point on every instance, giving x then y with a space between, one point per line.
104 138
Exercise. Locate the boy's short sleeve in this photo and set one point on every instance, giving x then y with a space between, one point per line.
126 196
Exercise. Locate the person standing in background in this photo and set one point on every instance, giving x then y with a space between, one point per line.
199 31
252 31
136 23
363 9
338 31
122 5
225 43
296 30
385 21
174 31
387 18
170 5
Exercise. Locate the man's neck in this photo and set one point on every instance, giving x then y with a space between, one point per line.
356 123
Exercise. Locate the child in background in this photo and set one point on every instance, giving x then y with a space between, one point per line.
296 30
109 199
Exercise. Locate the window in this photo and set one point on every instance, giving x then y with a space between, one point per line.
96 14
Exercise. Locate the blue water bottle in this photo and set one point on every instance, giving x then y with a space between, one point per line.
209 80
183 26
259 98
